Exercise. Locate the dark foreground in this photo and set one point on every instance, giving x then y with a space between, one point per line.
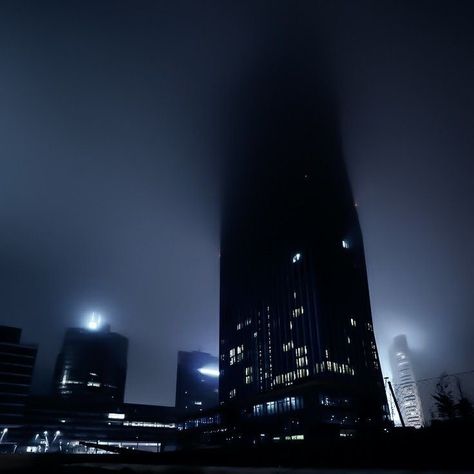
402 452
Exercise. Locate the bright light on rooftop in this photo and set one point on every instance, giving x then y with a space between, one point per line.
210 371
94 321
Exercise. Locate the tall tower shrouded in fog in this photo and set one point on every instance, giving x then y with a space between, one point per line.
406 389
296 333
92 365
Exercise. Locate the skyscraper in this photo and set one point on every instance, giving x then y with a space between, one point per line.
17 362
297 346
92 365
197 383
406 389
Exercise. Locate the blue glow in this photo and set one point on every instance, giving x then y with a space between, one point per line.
94 321
210 371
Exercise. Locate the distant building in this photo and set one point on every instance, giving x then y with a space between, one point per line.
70 425
197 382
17 361
92 365
404 382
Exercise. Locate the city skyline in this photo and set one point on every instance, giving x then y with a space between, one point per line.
117 126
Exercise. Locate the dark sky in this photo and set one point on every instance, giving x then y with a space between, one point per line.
115 124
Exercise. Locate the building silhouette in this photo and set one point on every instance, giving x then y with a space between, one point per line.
197 382
297 346
406 389
17 362
92 365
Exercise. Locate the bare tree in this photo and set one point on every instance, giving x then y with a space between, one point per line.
445 403
464 407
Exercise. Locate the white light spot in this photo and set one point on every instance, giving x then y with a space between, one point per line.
210 371
94 321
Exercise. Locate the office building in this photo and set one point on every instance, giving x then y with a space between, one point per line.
17 362
92 364
76 426
297 348
196 382
405 386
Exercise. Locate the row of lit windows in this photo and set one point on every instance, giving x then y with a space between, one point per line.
207 420
297 312
278 406
90 383
288 346
302 361
290 377
329 366
247 322
149 424
299 351
71 382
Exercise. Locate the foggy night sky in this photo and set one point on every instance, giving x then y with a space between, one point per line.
112 121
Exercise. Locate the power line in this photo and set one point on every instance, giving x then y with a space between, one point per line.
436 378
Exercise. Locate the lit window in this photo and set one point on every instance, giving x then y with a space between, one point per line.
353 322
297 312
116 416
345 244
296 257
299 351
348 340
288 346
232 393
301 361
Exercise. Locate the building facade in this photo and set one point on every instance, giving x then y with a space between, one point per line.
197 385
75 426
17 362
297 348
92 365
406 389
